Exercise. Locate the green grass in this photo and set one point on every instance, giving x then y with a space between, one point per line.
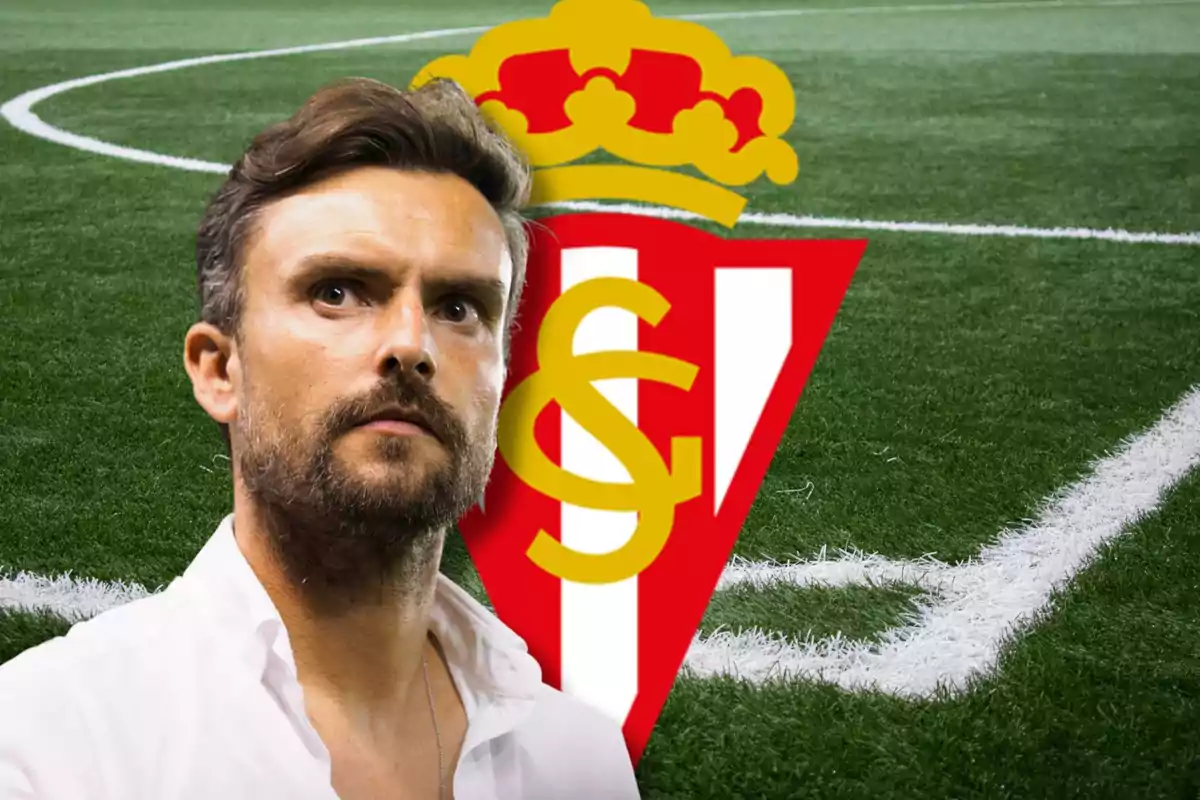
21 630
965 378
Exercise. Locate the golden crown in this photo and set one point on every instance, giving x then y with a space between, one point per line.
607 75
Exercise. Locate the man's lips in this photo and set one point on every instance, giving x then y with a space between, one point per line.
399 422
397 427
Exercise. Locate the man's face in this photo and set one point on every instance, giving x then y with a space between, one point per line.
375 292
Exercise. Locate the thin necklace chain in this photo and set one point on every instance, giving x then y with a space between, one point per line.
436 731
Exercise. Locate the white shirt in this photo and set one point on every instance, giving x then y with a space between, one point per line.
191 694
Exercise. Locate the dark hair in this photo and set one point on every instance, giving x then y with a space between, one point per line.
352 123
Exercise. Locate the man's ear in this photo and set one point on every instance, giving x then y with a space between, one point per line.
212 362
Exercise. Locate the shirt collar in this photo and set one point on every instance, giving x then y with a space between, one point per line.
484 653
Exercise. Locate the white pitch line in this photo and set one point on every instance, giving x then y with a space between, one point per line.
81 598
852 568
19 113
793 221
928 7
74 599
19 110
979 605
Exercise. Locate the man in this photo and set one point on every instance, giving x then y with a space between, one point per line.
359 271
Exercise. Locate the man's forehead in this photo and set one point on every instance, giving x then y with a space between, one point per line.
384 219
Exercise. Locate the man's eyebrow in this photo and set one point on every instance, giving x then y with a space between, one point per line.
489 289
332 263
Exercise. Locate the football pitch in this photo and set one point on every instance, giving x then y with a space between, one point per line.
973 569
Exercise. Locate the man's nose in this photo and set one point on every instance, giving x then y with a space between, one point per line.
408 341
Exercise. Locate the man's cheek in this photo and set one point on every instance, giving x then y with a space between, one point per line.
486 399
490 378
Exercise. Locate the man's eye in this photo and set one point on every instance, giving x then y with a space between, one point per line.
459 309
333 293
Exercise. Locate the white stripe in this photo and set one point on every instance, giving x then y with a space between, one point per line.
793 221
599 655
71 598
752 335
851 568
928 7
979 605
19 112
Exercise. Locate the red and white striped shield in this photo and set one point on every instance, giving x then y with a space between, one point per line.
745 320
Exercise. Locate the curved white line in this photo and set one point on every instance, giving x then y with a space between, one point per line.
19 110
956 229
19 113
1036 5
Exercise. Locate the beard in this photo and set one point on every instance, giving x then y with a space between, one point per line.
340 537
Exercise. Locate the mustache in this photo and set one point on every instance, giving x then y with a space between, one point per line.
414 395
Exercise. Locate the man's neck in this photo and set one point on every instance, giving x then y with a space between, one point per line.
361 652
